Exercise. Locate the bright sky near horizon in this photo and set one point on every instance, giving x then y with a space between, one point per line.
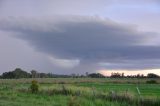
78 36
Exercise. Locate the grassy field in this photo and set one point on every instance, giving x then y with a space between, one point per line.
80 92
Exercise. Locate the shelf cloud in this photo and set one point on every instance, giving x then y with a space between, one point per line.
82 40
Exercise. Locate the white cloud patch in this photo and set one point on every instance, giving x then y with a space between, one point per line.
64 63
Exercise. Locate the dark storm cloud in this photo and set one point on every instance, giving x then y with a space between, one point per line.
91 40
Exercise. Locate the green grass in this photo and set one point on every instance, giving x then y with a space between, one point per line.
79 92
147 90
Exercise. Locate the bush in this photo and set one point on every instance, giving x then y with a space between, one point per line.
34 86
73 102
151 82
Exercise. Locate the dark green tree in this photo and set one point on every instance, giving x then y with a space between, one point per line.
17 73
152 75
96 75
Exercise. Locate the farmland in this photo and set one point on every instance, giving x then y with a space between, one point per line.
80 92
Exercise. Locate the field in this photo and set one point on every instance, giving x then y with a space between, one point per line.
80 92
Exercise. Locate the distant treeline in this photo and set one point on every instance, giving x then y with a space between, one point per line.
19 73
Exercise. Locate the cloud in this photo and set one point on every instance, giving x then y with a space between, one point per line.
80 42
64 63
52 7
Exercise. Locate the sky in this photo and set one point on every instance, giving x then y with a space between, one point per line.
78 36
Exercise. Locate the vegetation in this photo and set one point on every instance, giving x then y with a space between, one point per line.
19 73
152 75
151 82
96 75
20 88
79 92
34 86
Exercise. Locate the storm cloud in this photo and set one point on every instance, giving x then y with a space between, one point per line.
83 41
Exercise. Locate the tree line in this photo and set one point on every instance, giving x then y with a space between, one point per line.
19 73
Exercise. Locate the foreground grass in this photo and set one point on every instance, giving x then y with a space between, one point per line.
79 92
8 97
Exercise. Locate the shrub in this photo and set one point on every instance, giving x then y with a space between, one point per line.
149 102
73 102
151 82
66 91
34 86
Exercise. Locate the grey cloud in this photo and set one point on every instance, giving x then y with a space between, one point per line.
52 7
91 40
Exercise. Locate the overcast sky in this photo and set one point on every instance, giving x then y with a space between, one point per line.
78 36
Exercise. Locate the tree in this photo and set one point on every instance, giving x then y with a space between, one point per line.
17 73
87 74
8 75
34 73
152 75
96 75
116 75
43 75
